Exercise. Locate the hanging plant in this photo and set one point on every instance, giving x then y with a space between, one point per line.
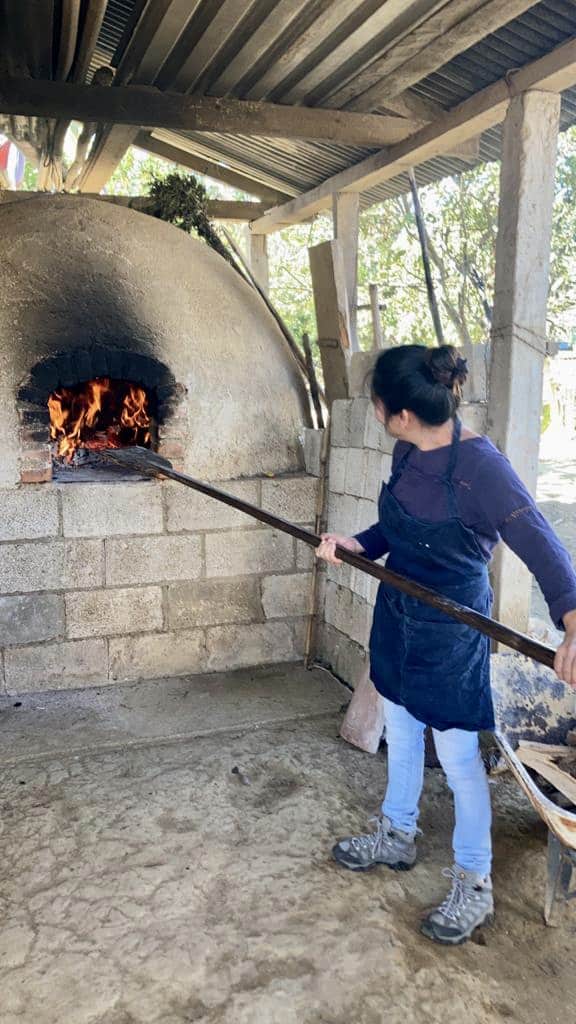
181 200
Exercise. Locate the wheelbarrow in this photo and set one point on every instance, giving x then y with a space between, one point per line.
531 704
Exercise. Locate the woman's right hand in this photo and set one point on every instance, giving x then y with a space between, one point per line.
327 549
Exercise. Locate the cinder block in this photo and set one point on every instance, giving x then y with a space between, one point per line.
189 511
360 370
313 440
60 666
292 498
338 606
257 644
113 612
153 559
360 409
340 423
241 552
83 564
284 596
364 586
356 471
348 613
157 655
337 470
365 430
31 618
374 478
343 514
214 602
340 574
305 557
27 567
346 659
300 629
367 514
28 513
103 510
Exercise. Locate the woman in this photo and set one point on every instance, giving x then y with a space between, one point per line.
450 499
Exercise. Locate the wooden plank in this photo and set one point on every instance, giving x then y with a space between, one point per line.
346 214
544 763
331 306
209 169
149 107
553 73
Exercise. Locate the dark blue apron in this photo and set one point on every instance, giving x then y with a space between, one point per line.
435 667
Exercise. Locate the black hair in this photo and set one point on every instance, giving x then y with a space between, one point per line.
426 381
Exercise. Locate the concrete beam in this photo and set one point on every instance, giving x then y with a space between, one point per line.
346 214
519 318
552 73
138 105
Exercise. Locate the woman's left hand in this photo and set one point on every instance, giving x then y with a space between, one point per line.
565 660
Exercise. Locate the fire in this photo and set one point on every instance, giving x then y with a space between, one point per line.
99 414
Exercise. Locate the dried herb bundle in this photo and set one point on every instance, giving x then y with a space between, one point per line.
181 200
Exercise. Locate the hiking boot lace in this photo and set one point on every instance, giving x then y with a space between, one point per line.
371 840
459 895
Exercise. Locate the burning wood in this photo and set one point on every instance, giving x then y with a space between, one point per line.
97 415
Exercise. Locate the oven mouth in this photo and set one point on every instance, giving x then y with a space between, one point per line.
79 403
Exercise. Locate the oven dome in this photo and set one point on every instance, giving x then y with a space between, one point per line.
81 272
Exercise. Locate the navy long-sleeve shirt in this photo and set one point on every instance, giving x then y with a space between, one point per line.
493 502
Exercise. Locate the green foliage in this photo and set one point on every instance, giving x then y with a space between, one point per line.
182 200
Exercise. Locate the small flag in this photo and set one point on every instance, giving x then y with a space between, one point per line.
12 164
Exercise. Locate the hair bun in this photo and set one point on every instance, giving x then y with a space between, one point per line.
447 367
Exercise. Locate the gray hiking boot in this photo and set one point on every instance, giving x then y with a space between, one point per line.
384 845
468 906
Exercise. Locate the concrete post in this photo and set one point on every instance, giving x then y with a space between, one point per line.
259 260
345 213
519 319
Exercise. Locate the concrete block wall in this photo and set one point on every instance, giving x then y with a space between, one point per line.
360 461
124 581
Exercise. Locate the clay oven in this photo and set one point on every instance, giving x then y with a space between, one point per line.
116 328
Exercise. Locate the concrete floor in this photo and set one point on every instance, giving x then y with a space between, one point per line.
143 881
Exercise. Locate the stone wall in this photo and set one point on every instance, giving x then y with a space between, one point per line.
111 582
360 460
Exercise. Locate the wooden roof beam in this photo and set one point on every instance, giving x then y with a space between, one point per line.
448 32
553 73
210 169
151 108
218 209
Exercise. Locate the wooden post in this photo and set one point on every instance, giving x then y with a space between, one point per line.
259 260
377 337
519 317
330 302
345 213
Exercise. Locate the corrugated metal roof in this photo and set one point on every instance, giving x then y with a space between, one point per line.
310 51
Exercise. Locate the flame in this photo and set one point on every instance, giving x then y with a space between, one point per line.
99 414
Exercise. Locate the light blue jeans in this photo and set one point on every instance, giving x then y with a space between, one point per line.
459 754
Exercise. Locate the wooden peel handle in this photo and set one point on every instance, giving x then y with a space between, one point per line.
140 460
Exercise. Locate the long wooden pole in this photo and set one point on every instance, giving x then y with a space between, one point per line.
432 302
140 460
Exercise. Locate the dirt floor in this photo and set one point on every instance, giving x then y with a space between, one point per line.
150 884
